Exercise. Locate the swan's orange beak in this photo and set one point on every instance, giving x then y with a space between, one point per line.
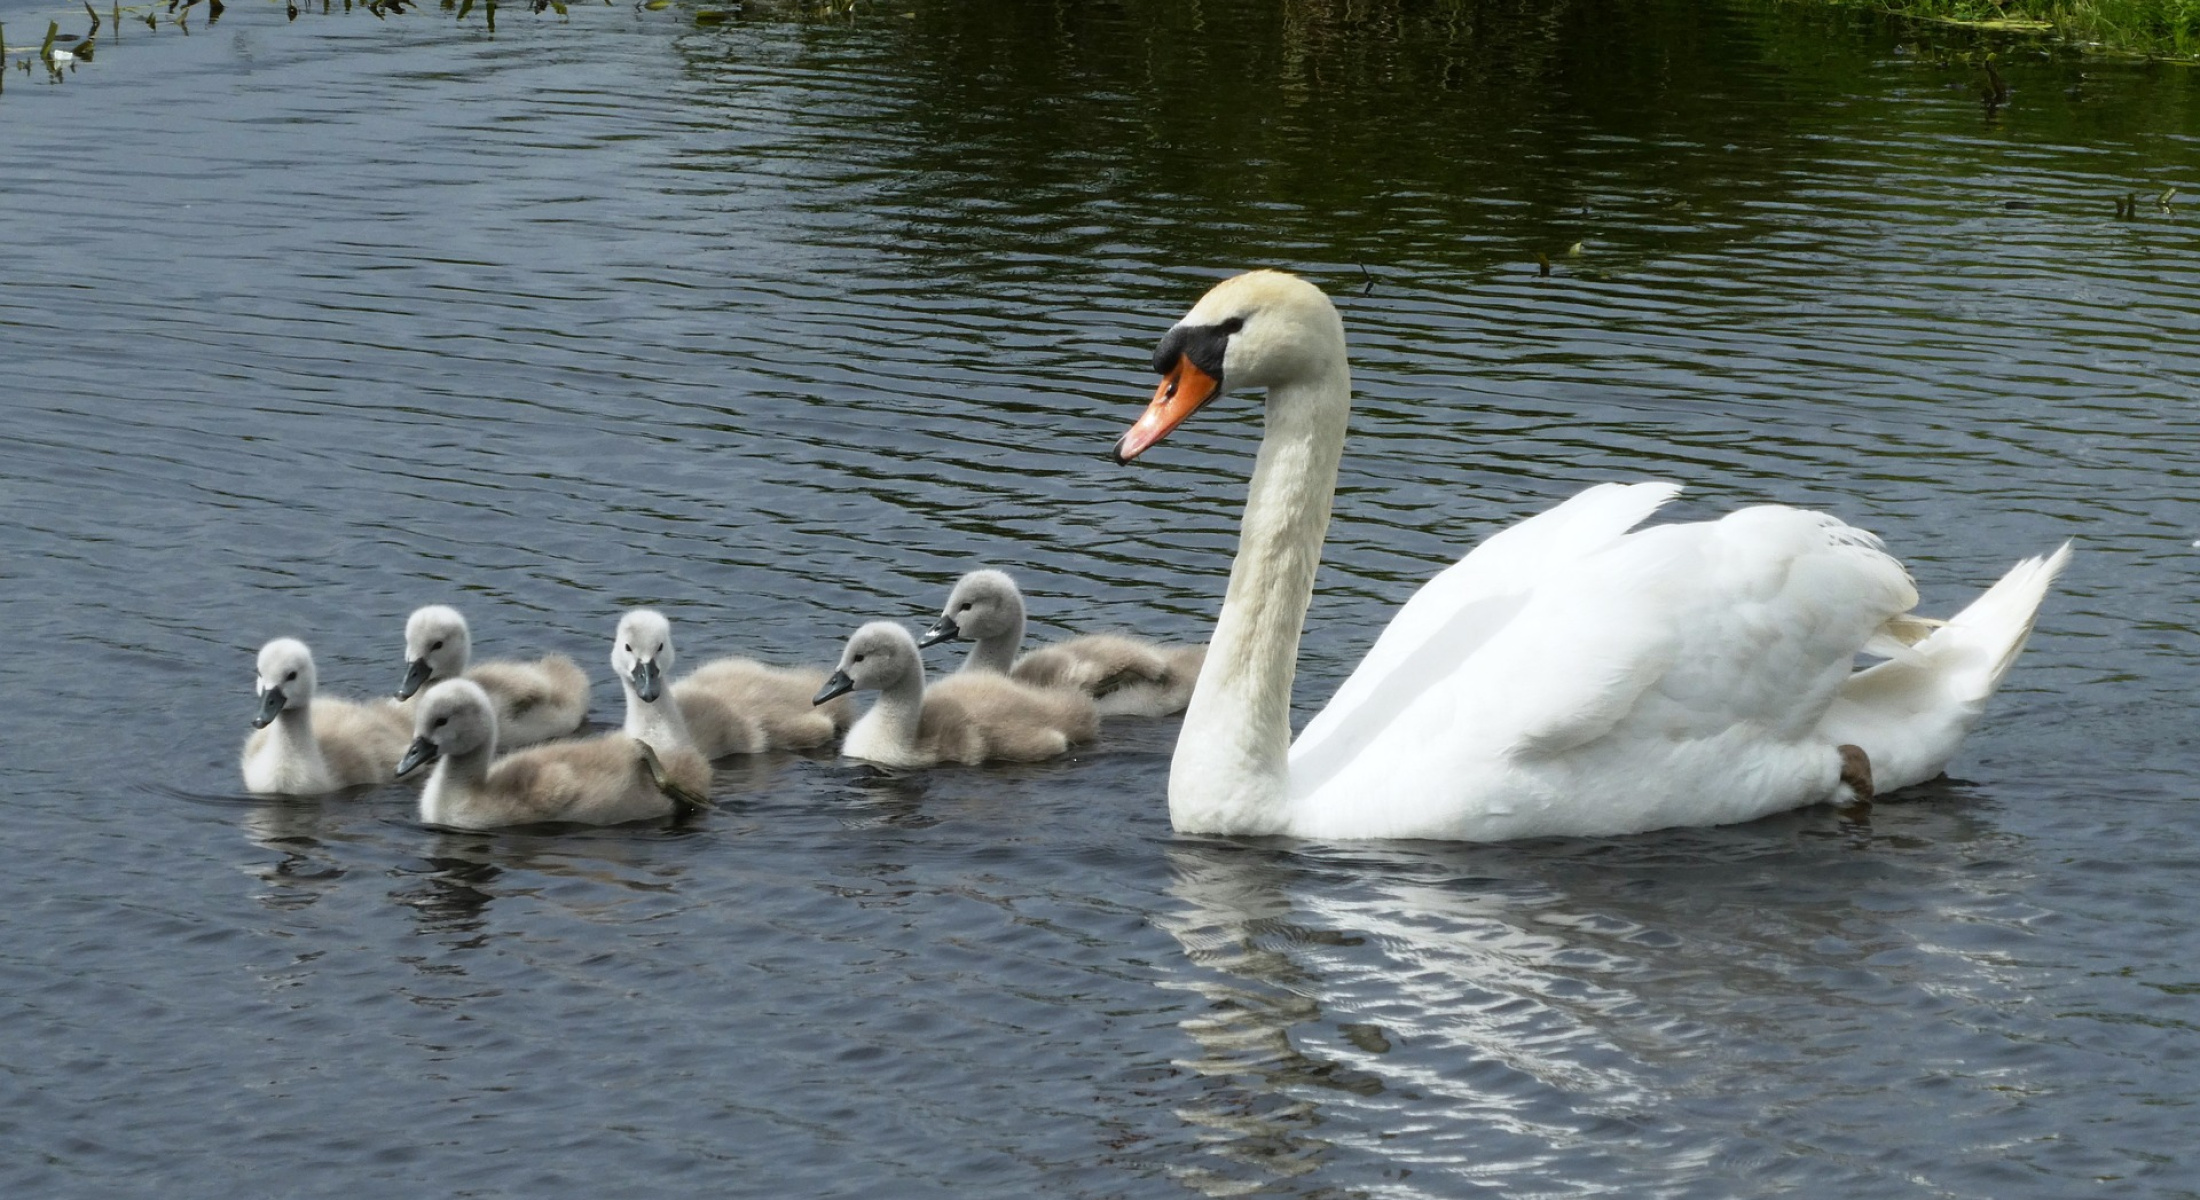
1182 391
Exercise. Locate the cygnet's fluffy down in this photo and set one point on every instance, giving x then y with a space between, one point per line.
304 745
726 706
595 781
971 717
535 701
1125 676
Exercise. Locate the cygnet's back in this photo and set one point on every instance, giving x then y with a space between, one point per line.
1124 676
973 718
749 707
307 744
603 780
970 718
535 699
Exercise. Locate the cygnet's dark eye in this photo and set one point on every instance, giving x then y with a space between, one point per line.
965 607
857 658
440 722
437 646
289 677
630 647
1232 325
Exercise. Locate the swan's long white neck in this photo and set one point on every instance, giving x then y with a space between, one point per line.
658 722
888 732
1229 772
997 653
455 780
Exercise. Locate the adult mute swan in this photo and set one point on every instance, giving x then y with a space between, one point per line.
1125 676
1567 677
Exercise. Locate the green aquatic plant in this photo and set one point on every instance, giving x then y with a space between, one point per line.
2161 28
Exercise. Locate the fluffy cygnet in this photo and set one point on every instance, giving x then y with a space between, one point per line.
303 745
971 717
1125 676
726 706
595 781
535 701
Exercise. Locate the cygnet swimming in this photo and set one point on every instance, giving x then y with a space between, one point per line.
595 781
304 745
971 717
535 701
726 706
1125 676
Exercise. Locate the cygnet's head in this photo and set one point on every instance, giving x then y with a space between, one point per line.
983 604
641 652
454 719
437 646
285 679
1257 330
879 656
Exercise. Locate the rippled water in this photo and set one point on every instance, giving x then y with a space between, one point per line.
780 324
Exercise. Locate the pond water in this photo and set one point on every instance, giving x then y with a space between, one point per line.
781 323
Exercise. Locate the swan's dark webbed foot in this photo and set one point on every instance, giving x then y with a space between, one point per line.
1856 780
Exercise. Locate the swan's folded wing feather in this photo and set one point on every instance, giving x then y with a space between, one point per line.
1474 597
1675 676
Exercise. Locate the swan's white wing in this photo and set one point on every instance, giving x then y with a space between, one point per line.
1674 676
1463 604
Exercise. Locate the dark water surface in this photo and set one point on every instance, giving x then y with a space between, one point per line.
781 324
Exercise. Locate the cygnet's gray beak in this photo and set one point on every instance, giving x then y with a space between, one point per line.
415 675
839 684
943 630
647 682
271 704
417 755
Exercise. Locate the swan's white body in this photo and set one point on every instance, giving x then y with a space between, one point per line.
1568 677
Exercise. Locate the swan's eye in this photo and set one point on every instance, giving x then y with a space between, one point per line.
857 658
440 722
289 677
965 607
436 646
1232 325
630 647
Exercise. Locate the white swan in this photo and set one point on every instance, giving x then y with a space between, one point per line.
596 781
1125 676
535 701
1567 677
304 745
726 706
972 717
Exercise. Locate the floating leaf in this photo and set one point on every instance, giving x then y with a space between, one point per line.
1542 263
1574 251
45 49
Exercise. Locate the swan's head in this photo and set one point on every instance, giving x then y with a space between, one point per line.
984 604
437 646
454 719
879 656
641 652
1258 330
285 679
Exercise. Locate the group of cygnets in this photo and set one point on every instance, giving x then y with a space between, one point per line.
499 734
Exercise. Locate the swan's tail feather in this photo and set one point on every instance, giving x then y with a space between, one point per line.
1911 714
2003 617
